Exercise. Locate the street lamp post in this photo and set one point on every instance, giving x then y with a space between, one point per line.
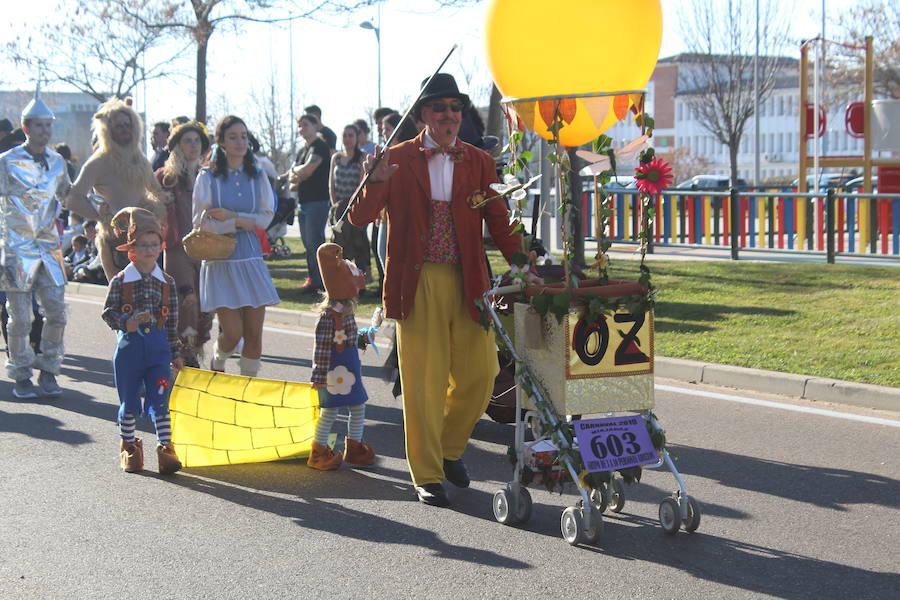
377 30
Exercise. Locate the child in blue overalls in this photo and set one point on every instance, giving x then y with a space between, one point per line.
142 306
336 368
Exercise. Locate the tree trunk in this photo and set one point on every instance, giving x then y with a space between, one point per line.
732 157
201 79
495 115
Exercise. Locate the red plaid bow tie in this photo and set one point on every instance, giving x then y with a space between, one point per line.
455 153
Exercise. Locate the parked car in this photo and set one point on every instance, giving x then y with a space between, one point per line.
826 180
621 182
855 186
709 182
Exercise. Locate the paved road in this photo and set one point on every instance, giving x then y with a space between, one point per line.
795 505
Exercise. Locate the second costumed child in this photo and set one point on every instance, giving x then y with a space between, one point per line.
336 367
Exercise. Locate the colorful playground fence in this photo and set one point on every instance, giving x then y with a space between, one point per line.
834 223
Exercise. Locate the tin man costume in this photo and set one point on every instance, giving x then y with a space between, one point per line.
32 188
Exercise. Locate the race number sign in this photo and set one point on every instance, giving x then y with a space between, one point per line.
621 344
614 443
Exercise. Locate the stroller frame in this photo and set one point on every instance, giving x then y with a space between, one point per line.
582 522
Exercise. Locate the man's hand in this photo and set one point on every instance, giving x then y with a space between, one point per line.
177 365
318 386
384 170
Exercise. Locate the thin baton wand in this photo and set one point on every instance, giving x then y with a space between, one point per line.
340 222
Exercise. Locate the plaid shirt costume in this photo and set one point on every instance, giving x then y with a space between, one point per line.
147 297
325 332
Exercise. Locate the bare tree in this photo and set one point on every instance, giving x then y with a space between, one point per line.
716 77
197 20
683 163
90 49
268 122
881 20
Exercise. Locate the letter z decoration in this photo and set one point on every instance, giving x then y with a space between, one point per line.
608 347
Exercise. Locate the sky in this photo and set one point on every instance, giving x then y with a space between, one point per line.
335 63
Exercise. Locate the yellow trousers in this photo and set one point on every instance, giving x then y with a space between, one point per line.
448 363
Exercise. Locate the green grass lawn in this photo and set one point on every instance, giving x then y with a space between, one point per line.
835 321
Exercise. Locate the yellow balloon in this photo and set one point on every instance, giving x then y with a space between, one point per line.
540 48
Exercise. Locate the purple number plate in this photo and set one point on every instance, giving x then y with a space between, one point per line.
614 443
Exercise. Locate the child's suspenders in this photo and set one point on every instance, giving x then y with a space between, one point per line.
128 302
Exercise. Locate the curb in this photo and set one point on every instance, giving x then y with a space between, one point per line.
806 387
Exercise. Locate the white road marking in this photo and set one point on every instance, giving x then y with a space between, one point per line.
669 388
770 404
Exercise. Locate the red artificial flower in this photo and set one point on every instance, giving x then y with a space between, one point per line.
653 177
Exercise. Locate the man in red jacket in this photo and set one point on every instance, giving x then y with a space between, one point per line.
435 270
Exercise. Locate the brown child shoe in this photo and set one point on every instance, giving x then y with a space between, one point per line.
358 454
131 456
167 459
323 458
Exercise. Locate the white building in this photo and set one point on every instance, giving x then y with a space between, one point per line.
678 126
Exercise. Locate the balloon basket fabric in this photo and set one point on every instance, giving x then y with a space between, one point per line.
222 419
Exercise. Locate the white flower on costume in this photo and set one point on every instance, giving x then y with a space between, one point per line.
340 336
340 381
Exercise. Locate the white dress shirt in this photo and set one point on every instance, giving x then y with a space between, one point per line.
440 172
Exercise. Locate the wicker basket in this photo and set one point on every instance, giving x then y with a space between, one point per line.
204 245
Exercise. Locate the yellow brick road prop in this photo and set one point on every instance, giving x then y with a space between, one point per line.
220 419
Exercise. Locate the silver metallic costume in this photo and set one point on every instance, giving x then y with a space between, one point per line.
31 193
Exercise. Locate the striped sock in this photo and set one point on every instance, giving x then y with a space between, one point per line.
323 427
126 428
164 429
357 422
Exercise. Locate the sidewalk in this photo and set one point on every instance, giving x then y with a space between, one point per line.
695 253
807 387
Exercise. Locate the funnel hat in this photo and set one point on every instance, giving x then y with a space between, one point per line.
37 109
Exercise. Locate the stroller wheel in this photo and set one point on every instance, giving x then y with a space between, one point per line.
669 515
693 519
599 499
616 495
572 525
504 509
523 505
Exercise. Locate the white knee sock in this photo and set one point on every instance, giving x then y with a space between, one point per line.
249 366
219 357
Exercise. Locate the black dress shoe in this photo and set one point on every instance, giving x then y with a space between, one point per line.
455 472
432 494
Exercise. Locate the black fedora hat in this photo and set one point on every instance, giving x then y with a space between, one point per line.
442 85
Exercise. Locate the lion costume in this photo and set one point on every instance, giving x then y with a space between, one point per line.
116 176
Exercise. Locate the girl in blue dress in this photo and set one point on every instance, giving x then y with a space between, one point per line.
233 195
336 368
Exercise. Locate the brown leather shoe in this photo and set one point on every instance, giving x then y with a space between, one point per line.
131 456
323 458
167 459
358 454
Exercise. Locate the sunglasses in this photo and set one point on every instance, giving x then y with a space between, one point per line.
439 107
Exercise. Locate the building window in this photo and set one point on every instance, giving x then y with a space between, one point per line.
780 142
780 106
